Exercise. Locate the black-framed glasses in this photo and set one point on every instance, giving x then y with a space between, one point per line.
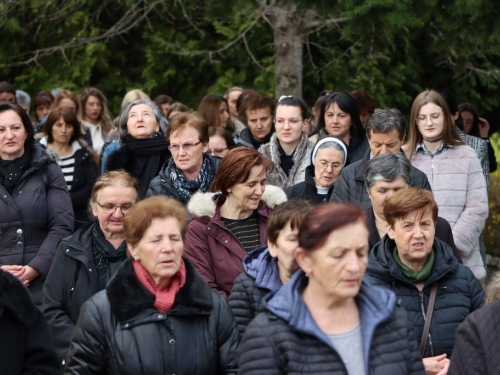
111 208
186 146
216 151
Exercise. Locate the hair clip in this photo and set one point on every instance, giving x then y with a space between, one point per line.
284 97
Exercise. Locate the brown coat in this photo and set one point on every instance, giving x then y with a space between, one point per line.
214 251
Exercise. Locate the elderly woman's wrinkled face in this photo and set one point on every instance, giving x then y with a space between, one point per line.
430 122
247 195
338 266
141 123
12 135
187 150
284 249
337 122
382 190
289 124
111 205
414 236
327 166
160 249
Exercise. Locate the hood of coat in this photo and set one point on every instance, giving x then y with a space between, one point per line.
260 265
15 298
204 204
41 156
381 263
128 297
375 305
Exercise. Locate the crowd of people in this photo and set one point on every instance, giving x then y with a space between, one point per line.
246 237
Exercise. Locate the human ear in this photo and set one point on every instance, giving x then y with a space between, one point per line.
304 260
390 231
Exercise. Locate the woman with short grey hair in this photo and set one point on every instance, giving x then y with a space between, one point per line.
144 147
328 157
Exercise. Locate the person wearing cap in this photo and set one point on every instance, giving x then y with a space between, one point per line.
385 131
328 157
289 148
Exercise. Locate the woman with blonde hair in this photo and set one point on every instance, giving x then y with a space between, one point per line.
454 173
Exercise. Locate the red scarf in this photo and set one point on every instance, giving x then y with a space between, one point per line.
164 295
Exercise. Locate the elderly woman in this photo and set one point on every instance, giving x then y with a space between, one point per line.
327 160
289 147
267 268
325 320
144 148
339 117
157 315
86 261
227 226
385 174
454 173
35 209
78 163
189 170
424 274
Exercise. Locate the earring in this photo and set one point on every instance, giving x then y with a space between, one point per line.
136 259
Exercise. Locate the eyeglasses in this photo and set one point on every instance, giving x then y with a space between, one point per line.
323 164
111 208
434 117
186 146
216 151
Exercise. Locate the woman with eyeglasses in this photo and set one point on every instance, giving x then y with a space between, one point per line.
190 169
220 141
85 262
454 173
289 147
327 160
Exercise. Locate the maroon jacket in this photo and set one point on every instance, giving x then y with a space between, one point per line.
214 251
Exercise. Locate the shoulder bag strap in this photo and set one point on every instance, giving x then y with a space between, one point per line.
428 318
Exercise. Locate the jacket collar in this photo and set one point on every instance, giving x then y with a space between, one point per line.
375 305
360 167
15 298
260 265
128 297
381 263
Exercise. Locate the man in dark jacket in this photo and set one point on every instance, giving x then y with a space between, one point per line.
25 346
385 131
256 111
477 342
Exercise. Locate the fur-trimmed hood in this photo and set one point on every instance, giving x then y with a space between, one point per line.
203 204
15 298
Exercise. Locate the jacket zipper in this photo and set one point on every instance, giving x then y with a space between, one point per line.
421 298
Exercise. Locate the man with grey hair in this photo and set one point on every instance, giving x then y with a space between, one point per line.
385 131
386 174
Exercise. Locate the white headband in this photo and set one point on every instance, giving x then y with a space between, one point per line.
284 97
324 140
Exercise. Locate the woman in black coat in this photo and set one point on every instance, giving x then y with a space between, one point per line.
325 320
157 315
86 261
78 162
35 206
143 146
410 261
24 338
328 157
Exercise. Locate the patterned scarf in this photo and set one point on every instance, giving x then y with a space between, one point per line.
187 188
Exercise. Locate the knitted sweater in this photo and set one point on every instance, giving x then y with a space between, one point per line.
459 188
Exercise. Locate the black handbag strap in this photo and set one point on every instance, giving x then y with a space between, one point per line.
428 318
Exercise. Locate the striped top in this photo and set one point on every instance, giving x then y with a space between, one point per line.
67 165
247 231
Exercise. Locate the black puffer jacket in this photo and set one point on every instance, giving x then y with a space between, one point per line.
120 332
459 292
307 190
35 217
477 342
350 186
286 340
24 338
72 280
163 185
84 178
260 277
